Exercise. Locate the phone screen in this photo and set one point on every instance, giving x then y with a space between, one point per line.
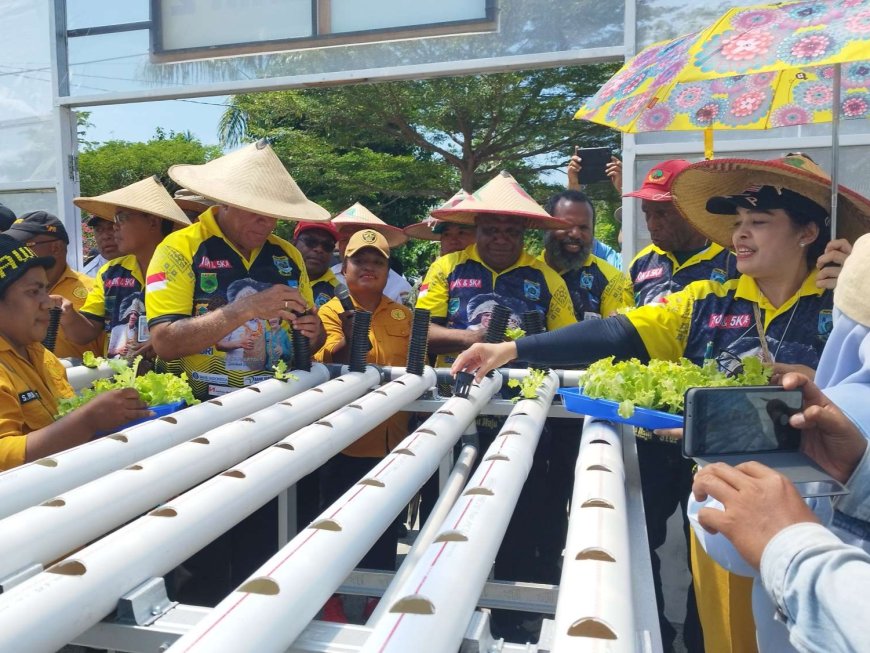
741 420
593 160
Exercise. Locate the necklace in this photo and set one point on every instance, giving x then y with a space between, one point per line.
765 351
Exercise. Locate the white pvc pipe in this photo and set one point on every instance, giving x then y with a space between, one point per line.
449 494
50 609
437 599
595 607
31 484
47 532
80 377
272 608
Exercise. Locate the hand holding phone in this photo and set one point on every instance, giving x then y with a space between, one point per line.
593 161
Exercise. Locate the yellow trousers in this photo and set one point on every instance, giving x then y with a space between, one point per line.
724 604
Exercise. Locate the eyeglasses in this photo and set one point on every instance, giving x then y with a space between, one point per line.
33 243
325 244
121 217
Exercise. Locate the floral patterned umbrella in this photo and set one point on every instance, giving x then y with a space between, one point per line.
755 68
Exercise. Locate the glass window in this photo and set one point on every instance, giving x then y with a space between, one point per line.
32 200
28 151
356 16
81 14
658 20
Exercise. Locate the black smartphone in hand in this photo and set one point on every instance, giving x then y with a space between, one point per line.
592 162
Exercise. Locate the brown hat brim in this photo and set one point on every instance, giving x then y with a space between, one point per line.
706 179
534 220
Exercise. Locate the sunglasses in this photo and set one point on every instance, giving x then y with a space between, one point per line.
325 244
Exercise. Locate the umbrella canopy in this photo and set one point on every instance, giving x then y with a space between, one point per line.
756 67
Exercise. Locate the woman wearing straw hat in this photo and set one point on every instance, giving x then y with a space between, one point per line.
232 240
32 380
143 214
452 237
774 215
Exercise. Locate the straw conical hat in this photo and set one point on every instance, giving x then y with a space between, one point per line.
426 230
850 295
695 185
253 179
148 196
502 195
358 215
191 201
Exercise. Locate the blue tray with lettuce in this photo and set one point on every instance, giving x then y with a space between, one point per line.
164 393
650 396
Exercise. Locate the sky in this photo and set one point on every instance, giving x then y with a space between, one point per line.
137 122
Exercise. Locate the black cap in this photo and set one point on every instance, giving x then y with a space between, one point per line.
15 260
37 223
766 198
7 217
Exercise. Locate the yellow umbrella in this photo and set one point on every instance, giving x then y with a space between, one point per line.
755 68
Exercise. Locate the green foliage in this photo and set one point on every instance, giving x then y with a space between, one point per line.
115 164
661 385
281 373
155 389
402 148
529 384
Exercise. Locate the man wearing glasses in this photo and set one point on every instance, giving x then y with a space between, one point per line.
45 234
316 242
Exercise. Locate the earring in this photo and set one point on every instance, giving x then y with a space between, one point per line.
802 244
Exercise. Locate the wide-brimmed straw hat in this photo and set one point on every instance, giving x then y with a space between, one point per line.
359 216
147 196
501 195
695 186
252 179
432 228
189 201
850 295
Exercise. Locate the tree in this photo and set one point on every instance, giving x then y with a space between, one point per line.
401 148
115 164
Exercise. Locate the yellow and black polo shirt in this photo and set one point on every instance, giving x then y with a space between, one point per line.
118 293
323 288
597 289
196 270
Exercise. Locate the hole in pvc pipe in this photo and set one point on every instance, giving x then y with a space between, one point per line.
200 440
371 481
520 414
597 503
46 462
598 468
289 404
497 457
264 586
379 392
68 568
318 389
235 473
253 388
215 402
164 512
285 445
451 536
444 412
511 432
248 419
120 437
404 452
427 431
399 381
357 406
482 491
134 468
414 604
595 553
170 419
591 627
54 503
323 422
326 525
599 441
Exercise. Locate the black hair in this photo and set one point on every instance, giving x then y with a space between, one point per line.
816 248
570 196
166 227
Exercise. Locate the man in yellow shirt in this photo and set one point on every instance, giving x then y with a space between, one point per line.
45 234
32 380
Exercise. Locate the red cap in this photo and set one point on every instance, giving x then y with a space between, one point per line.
657 185
328 227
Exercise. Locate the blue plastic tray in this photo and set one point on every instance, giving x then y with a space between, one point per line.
159 411
576 402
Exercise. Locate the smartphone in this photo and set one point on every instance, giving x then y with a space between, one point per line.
593 161
739 420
